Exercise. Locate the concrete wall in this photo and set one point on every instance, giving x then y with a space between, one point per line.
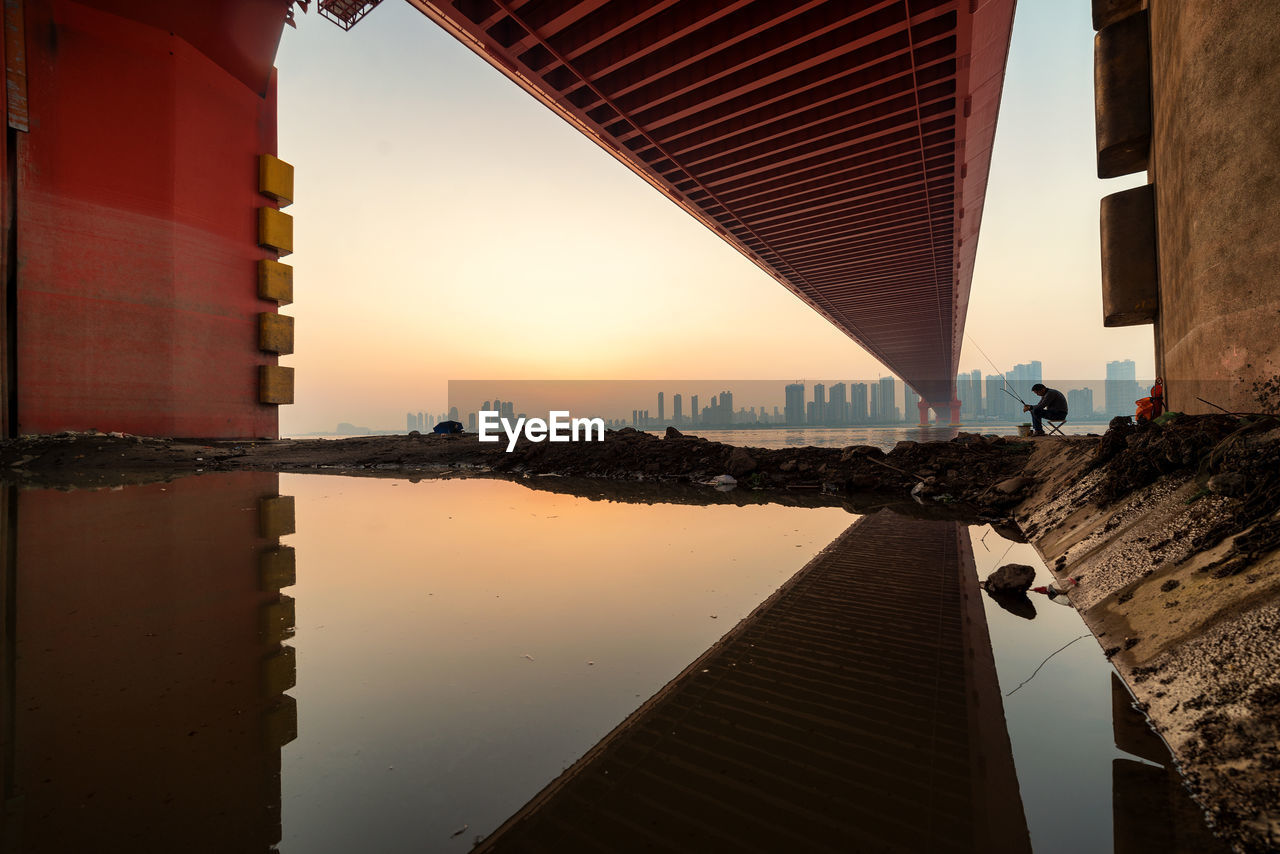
136 204
1215 164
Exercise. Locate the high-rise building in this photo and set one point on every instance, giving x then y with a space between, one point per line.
795 404
693 409
910 404
453 413
819 412
1121 387
888 401
1021 379
837 406
662 409
975 389
858 403
873 408
999 404
677 408
1080 403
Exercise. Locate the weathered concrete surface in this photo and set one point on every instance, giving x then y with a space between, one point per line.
1182 588
1213 163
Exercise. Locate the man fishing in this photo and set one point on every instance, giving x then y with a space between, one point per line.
1052 407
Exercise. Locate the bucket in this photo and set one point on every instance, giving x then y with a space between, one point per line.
1024 430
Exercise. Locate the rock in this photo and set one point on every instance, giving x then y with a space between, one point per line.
1010 578
789 465
739 463
856 452
1227 483
723 480
1012 485
1018 604
414 434
673 433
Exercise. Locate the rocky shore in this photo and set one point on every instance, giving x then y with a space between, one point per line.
1172 531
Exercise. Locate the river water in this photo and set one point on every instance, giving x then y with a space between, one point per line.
239 661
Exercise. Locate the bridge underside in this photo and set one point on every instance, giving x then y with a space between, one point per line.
841 146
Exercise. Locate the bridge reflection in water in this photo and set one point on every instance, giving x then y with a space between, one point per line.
146 663
857 709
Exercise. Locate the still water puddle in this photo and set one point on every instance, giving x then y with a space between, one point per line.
457 645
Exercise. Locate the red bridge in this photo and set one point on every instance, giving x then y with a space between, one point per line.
841 146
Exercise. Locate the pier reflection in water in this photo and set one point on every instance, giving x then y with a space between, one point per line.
145 667
462 642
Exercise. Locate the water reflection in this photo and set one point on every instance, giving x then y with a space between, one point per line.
857 709
144 668
465 641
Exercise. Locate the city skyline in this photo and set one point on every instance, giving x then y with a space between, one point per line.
799 403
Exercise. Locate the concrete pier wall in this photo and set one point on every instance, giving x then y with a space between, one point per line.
133 196
1213 150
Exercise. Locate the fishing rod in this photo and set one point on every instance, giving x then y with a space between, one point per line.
1005 379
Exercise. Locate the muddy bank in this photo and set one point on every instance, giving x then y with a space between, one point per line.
1173 533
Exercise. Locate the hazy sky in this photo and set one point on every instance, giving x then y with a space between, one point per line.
447 226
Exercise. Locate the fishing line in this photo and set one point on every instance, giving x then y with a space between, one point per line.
1043 663
1005 379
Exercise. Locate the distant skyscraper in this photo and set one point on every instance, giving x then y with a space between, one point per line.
819 415
888 401
795 404
837 405
662 409
1022 378
693 409
453 413
858 403
873 408
677 408
1080 403
910 409
975 389
1121 387
999 403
